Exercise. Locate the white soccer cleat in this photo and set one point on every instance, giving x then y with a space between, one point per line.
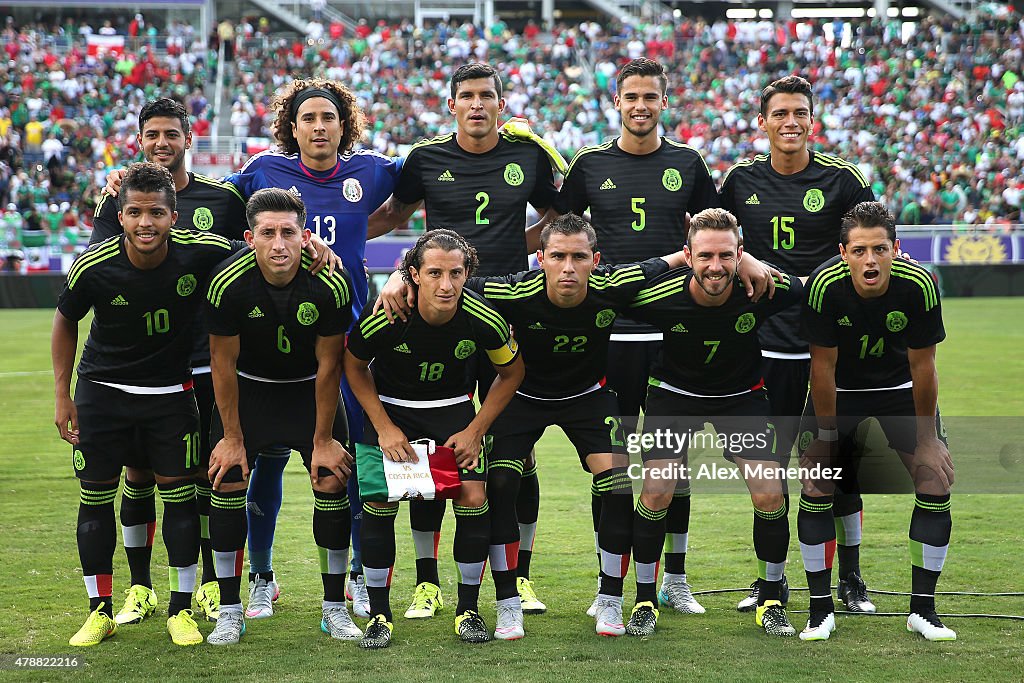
229 629
509 625
609 617
930 626
356 593
338 624
819 627
678 595
262 595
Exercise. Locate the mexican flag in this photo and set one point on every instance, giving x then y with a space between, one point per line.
97 45
434 476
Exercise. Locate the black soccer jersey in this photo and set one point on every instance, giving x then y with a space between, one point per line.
482 197
709 350
873 335
793 221
142 332
416 361
205 204
565 349
277 326
638 203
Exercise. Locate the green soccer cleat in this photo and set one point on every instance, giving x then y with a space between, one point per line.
97 628
643 620
139 603
425 601
208 598
771 616
183 629
528 597
470 628
378 633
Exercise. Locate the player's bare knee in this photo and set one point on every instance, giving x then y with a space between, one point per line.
767 502
137 475
329 484
656 501
929 482
381 506
472 496
161 479
231 487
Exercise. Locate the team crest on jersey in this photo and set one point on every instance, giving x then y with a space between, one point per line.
202 218
464 349
745 323
514 174
895 321
352 190
186 284
814 200
605 318
805 440
79 459
671 180
307 313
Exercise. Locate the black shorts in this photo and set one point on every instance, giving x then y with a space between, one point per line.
629 366
277 414
786 380
152 431
482 373
741 421
591 422
436 424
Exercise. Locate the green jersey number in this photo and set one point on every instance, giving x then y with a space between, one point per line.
157 322
562 341
877 349
615 430
484 200
283 344
713 345
641 216
191 450
431 372
782 232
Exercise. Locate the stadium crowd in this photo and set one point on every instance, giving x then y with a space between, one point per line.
932 115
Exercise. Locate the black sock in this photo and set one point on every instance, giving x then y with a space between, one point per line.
817 536
332 525
426 518
203 492
595 515
228 529
847 509
181 538
138 526
648 538
615 533
930 527
503 477
472 539
677 531
378 543
527 510
771 543
97 537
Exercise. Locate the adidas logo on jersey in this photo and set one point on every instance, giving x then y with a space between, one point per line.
403 348
256 312
119 301
536 326
446 177
295 191
679 327
607 185
752 199
844 321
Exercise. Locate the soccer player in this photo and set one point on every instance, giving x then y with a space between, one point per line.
639 188
709 370
872 321
277 336
419 387
789 203
477 182
134 386
206 205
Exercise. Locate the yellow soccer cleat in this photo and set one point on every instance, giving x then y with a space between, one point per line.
97 628
183 629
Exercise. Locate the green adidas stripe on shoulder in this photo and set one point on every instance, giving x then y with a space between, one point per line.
487 315
923 279
103 199
836 162
823 280
335 282
436 140
757 158
189 237
518 290
621 277
782 283
89 258
683 145
587 150
220 184
374 324
659 291
223 279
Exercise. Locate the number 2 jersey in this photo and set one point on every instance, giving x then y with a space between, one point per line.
792 221
709 351
416 361
872 335
565 349
141 334
338 201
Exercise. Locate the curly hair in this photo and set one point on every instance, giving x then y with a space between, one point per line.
445 240
350 113
150 178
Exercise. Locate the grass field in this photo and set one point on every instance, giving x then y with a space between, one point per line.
44 601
